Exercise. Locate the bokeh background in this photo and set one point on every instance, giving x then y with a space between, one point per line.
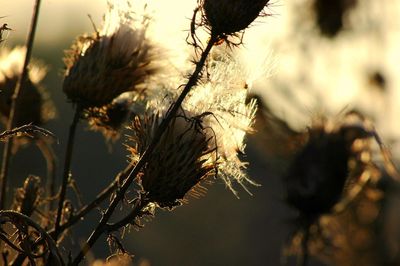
303 71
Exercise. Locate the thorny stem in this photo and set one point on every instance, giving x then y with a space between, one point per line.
13 109
102 226
303 256
67 167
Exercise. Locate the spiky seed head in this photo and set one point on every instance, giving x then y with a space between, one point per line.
26 198
227 17
181 160
34 104
108 63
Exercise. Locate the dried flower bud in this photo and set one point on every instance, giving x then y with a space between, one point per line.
113 61
181 160
227 17
34 105
27 197
318 173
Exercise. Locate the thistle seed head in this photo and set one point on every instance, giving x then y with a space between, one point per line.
110 62
220 101
182 159
227 17
34 104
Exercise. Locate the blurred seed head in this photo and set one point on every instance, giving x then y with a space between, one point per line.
111 118
27 198
319 171
111 61
227 17
182 159
34 104
330 15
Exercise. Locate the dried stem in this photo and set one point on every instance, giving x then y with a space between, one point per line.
50 157
67 167
303 256
95 203
13 109
102 226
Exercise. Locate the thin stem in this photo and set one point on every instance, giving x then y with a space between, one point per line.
50 157
13 110
130 218
303 256
67 167
95 203
102 226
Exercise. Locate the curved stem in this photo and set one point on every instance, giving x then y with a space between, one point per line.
102 226
67 167
13 109
16 217
50 157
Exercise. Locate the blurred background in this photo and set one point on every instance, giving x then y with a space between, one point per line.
313 59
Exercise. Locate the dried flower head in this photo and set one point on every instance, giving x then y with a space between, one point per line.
27 197
182 159
34 105
220 100
227 17
319 171
112 61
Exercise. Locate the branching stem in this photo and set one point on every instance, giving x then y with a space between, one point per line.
13 110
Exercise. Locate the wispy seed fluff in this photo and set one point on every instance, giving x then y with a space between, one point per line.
114 60
182 159
220 101
34 104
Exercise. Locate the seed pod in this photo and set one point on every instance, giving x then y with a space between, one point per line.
227 17
180 161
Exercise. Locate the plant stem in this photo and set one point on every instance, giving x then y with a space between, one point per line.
50 157
102 226
303 257
67 167
104 194
13 109
95 203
